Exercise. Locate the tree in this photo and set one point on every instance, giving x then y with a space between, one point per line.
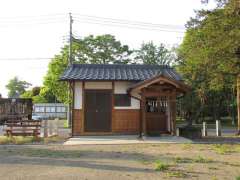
102 49
16 87
99 50
152 54
39 95
208 57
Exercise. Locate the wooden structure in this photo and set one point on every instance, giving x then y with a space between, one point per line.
123 99
15 109
158 104
23 128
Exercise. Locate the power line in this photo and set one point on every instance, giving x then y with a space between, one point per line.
128 26
130 21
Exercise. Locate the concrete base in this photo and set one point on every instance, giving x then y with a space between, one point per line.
125 139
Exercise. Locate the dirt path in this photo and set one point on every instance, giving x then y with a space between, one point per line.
107 162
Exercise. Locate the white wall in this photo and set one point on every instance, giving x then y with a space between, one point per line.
120 88
78 95
98 85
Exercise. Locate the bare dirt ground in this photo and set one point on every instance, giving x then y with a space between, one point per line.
117 162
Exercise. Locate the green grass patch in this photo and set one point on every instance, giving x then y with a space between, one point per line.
187 147
224 149
161 166
176 174
183 160
201 159
237 178
28 140
5 140
65 123
51 153
198 159
17 140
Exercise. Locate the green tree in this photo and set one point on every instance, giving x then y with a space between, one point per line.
209 58
16 87
102 49
149 53
93 50
39 95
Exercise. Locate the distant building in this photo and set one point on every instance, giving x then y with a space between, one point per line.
50 110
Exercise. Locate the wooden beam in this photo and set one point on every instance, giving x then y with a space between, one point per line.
143 115
83 106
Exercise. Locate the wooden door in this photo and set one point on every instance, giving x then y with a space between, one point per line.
97 111
156 115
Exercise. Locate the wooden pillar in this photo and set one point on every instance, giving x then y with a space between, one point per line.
173 112
143 114
238 102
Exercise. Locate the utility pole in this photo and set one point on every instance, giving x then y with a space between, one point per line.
70 39
70 61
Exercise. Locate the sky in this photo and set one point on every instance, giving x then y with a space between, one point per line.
32 32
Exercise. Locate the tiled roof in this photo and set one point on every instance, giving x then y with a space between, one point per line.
118 72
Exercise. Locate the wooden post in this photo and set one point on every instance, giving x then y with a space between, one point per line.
45 125
173 112
144 125
238 102
218 128
204 131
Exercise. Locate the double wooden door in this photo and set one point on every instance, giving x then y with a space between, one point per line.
98 107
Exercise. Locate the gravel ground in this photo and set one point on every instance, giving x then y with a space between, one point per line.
108 162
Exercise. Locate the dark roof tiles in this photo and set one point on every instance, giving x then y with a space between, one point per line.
120 72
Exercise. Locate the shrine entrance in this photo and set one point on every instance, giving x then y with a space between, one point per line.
158 104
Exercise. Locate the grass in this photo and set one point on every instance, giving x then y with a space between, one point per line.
176 174
182 160
201 159
28 140
161 166
17 140
225 149
198 159
65 123
237 178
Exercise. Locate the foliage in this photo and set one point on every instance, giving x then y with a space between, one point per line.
16 87
150 53
99 49
209 60
39 95
161 166
102 49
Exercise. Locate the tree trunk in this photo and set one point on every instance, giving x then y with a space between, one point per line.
238 102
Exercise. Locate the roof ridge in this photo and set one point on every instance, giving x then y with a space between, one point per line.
126 65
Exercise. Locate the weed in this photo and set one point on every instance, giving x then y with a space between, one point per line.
5 140
237 178
187 147
176 174
214 178
201 159
223 149
182 160
212 168
161 166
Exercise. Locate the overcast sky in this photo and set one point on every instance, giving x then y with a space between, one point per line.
38 29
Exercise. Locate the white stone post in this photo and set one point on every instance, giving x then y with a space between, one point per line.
50 124
56 124
218 128
204 130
